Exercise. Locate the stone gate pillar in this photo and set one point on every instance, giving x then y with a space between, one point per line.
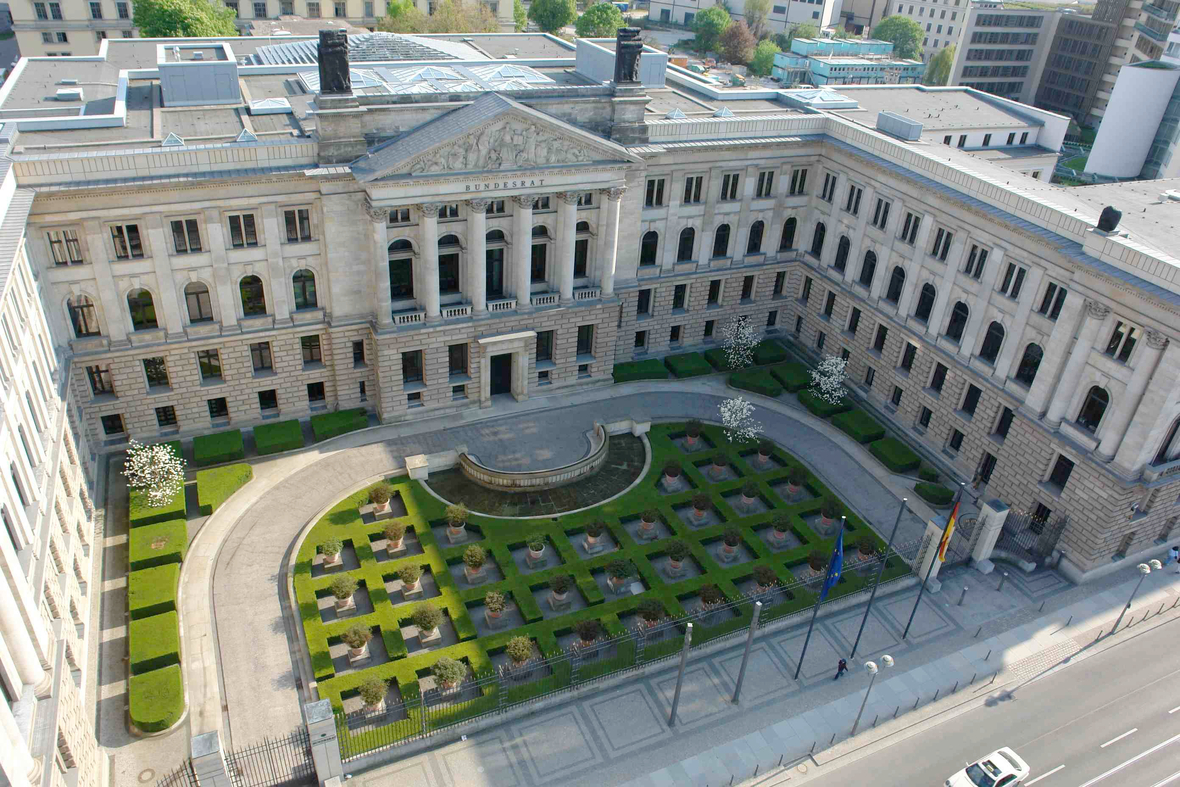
209 760
325 746
991 522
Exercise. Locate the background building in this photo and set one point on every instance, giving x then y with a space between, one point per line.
1003 50
941 20
1140 130
844 62
821 13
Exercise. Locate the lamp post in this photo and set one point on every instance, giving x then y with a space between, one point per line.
1144 570
872 669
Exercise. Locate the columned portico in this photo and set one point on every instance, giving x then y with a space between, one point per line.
1126 408
477 256
1096 313
609 251
429 243
567 223
517 345
522 249
379 222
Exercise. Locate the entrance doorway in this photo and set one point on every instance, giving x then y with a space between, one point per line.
501 374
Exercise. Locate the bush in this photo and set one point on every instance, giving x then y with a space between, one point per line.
519 649
215 449
693 428
155 545
328 425
817 559
677 550
821 408
895 455
688 365
139 513
152 591
595 528
447 670
757 380
796 476
859 425
651 369
765 447
650 515
343 586
928 474
587 630
395 531
732 537
410 573
769 351
673 469
765 576
427 617
749 489
831 508
331 547
153 643
373 690
782 523
651 610
711 594
701 502
866 545
357 635
561 583
379 495
535 541
494 601
474 557
716 357
456 514
215 486
156 698
934 494
276 438
620 569
794 376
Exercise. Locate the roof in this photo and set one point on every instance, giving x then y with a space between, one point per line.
511 45
299 26
942 109
369 48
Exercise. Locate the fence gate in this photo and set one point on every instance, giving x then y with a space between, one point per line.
962 540
275 762
1032 538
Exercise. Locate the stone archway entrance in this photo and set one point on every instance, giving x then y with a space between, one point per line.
504 365
501 374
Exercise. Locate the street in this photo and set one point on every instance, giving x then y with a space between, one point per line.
1113 719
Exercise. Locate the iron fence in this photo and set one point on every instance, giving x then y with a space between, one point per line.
284 761
1033 538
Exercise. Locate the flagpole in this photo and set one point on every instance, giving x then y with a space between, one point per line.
819 598
930 568
877 583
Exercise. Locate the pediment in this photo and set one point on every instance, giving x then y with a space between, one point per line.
493 133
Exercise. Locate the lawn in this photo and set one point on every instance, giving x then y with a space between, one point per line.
405 666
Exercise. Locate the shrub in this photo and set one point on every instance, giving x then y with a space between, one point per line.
782 523
817 559
677 550
620 569
474 557
395 531
379 495
765 576
650 515
343 586
494 601
519 649
456 514
410 573
716 357
866 545
794 376
535 541
595 528
719 460
651 610
928 474
449 671
373 690
769 351
701 502
156 698
331 547
673 470
561 583
156 471
651 369
796 476
357 635
214 449
819 407
831 508
276 438
587 630
214 486
895 455
155 545
328 425
693 428
152 591
688 365
427 617
711 594
732 537
765 447
934 494
859 425
749 489
757 380
140 512
153 643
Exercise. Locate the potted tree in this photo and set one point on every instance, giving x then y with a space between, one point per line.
357 638
817 560
647 521
587 631
427 618
782 526
830 510
701 505
749 494
711 595
677 552
617 572
795 479
765 578
730 541
456 521
331 549
719 465
372 693
672 472
594 532
343 587
652 611
411 577
495 603
474 559
765 448
560 586
379 497
448 672
536 545
867 547
692 432
395 534
520 650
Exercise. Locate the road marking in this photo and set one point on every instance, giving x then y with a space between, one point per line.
1043 775
1173 710
1168 780
1116 740
1133 760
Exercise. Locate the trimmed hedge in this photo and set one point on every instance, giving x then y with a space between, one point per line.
139 513
794 376
158 544
214 449
273 438
769 351
859 425
651 369
934 494
175 446
821 408
688 365
216 485
152 591
756 380
153 643
716 357
156 698
329 425
928 474
895 455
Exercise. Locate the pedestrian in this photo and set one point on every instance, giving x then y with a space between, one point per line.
1173 555
841 668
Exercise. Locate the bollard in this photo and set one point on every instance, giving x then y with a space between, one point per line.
833 740
875 719
956 688
895 710
780 758
1003 579
993 680
1099 635
755 772
1161 609
1069 621
973 674
977 632
963 596
936 695
731 780
813 746
919 699
1042 608
988 656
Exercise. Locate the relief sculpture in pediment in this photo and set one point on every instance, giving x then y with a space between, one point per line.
513 144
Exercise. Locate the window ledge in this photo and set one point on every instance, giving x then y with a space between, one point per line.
585 358
221 420
874 353
104 397
919 429
359 365
643 317
850 335
212 382
413 386
263 373
309 366
932 393
964 415
157 390
995 438
950 452
267 415
713 306
546 365
902 372
317 408
679 310
1051 489
459 378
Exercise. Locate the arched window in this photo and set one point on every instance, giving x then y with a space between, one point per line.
1167 450
721 242
401 269
958 322
83 317
788 239
1093 408
448 264
494 256
684 248
842 248
754 244
196 297
896 283
253 297
647 248
581 249
304 282
582 226
817 240
868 269
143 311
1026 372
991 342
925 302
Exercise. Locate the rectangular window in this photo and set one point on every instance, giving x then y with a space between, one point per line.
942 244
186 236
643 303
218 408
854 321
640 340
924 418
341 10
956 441
962 140
714 292
414 399
907 356
1122 341
157 372
1059 476
765 185
780 279
412 366
692 189
542 204
870 375
55 12
678 296
798 182
1013 280
544 345
233 6
128 245
987 138
96 10
64 246
805 295
124 10
772 318
100 380
1004 423
1053 301
585 340
729 186
909 230
947 139
938 379
845 353
798 324
895 399
881 214
260 10
242 231
830 304
315 393
111 425
268 400
852 205
709 326
402 215
819 340
828 193
41 14
457 359
986 467
1011 138
310 345
879 339
1024 138
298 224
210 363
585 199
260 357
313 9
496 207
747 288
166 416
655 193
975 261
971 400
674 335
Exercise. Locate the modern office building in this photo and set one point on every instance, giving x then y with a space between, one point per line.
1003 50
783 13
834 61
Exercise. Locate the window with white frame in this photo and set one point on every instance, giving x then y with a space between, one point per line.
65 247
852 203
828 192
975 261
127 241
765 186
186 236
909 229
1122 341
692 189
297 222
1013 280
942 244
1052 302
881 213
729 186
798 182
243 230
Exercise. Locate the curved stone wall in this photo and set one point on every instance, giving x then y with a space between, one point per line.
508 481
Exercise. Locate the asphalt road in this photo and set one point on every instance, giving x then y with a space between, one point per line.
1112 720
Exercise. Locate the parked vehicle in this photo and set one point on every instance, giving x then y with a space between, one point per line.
1001 768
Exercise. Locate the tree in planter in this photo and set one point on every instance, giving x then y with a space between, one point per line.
827 379
427 618
817 560
749 493
731 539
831 509
677 552
449 672
394 533
457 517
701 504
495 603
155 471
651 611
672 471
519 649
765 449
379 496
647 521
765 577
587 630
619 571
740 337
357 637
536 544
692 431
594 531
475 557
867 547
330 548
373 692
711 594
410 576
737 416
343 587
795 480
782 526
560 586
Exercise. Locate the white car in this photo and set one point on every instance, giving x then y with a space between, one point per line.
1001 768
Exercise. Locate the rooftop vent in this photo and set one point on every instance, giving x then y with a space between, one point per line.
67 81
896 125
246 136
69 94
724 112
675 114
198 55
172 141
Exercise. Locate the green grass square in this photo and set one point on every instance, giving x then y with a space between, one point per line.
152 591
215 485
156 544
153 643
139 513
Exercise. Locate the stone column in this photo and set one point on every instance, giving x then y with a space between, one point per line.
929 554
19 641
1096 314
522 249
1014 332
477 254
915 266
281 291
383 299
428 240
229 297
1152 419
995 262
885 259
1116 425
167 302
18 760
567 223
991 521
608 252
1056 353
856 254
946 283
209 760
114 308
325 746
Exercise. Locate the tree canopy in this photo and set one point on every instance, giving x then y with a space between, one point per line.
519 16
450 16
801 30
552 15
601 20
737 43
763 60
756 12
183 18
904 33
709 25
938 70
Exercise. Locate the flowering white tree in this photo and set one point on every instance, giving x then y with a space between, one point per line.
827 379
737 415
154 470
741 337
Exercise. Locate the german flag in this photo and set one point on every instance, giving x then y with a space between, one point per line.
950 528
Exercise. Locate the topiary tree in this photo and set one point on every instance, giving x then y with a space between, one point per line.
561 584
595 528
474 557
651 610
765 447
749 489
410 574
672 469
709 25
494 601
373 691
154 469
677 550
427 617
357 636
535 541
448 671
650 515
331 546
701 501
817 559
732 536
600 20
904 33
866 545
395 531
587 630
762 63
711 594
519 649
782 523
343 586
765 576
552 15
379 495
737 43
831 507
456 514
183 19
693 428
620 569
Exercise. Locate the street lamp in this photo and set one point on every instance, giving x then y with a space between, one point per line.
872 669
1144 570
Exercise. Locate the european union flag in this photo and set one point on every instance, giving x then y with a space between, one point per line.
835 565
